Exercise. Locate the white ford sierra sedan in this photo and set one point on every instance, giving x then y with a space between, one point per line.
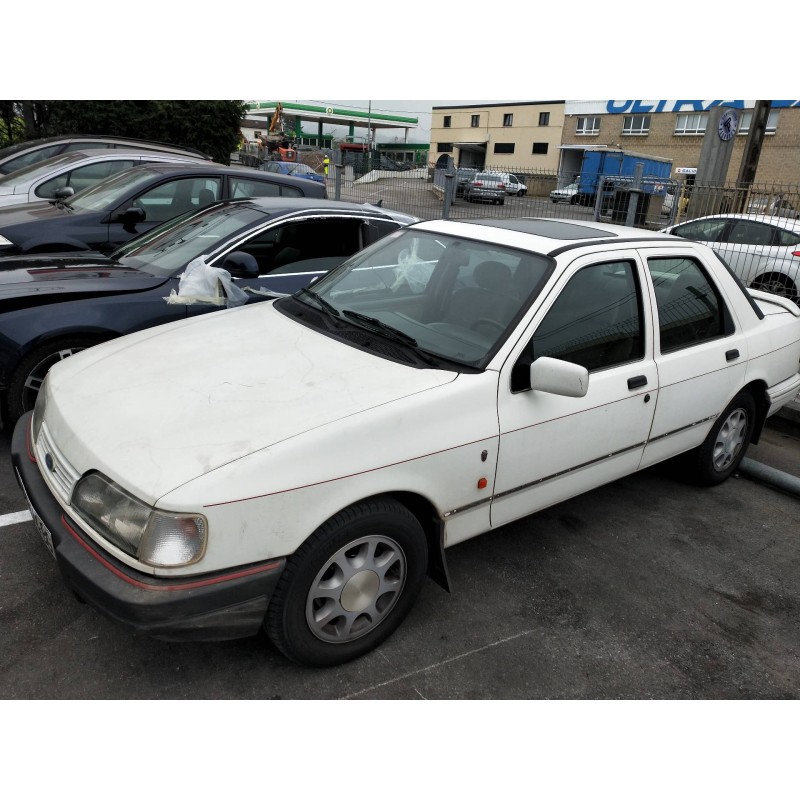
303 464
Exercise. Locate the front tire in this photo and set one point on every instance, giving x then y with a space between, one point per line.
726 444
350 584
31 370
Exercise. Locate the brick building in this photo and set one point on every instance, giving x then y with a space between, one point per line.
548 135
674 129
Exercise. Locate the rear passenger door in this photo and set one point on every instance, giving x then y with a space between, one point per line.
553 447
700 353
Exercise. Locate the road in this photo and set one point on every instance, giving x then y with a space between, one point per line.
645 588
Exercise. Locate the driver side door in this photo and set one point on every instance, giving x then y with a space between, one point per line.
553 447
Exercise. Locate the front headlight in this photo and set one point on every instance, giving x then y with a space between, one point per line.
5 242
158 538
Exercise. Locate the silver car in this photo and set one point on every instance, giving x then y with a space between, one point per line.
763 251
67 174
487 187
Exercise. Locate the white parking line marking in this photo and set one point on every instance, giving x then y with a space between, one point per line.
13 519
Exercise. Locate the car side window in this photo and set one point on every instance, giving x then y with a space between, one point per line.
690 309
313 246
788 238
75 146
169 199
81 177
749 232
596 321
706 230
246 187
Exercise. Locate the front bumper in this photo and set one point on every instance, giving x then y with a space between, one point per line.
213 606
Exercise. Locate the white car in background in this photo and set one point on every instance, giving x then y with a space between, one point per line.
66 174
302 464
763 251
567 194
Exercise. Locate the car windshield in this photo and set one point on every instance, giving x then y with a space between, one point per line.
170 247
453 298
301 168
112 190
38 168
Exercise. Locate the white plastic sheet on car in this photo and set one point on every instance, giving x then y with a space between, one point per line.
202 283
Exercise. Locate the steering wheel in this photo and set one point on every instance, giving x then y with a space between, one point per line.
486 321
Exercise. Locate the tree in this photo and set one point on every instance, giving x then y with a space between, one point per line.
212 126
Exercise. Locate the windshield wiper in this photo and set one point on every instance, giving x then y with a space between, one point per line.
323 304
381 327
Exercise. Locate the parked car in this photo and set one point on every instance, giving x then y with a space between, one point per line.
132 202
298 169
763 251
62 176
23 154
772 205
464 175
302 464
486 186
54 305
567 194
514 184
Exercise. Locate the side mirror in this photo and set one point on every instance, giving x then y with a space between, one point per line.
64 192
559 377
241 264
131 216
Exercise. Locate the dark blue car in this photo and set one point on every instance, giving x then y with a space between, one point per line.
296 169
53 305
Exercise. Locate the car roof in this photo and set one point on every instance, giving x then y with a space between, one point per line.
209 168
285 205
35 144
544 235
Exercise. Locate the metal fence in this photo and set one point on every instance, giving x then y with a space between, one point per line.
764 250
656 204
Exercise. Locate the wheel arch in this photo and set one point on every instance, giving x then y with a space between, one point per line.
432 526
62 245
758 390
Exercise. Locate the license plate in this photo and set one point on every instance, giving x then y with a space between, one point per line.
41 528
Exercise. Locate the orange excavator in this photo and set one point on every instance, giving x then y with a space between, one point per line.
276 143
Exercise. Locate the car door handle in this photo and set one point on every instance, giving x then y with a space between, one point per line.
639 380
731 355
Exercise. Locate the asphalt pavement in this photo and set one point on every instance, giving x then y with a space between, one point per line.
645 588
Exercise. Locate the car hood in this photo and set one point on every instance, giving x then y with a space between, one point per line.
159 408
32 212
85 274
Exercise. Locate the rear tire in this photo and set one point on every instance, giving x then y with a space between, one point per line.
726 444
350 584
777 283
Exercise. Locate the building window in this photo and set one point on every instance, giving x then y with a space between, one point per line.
746 119
508 120
476 120
444 147
544 118
447 121
690 124
539 148
636 125
504 147
588 126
